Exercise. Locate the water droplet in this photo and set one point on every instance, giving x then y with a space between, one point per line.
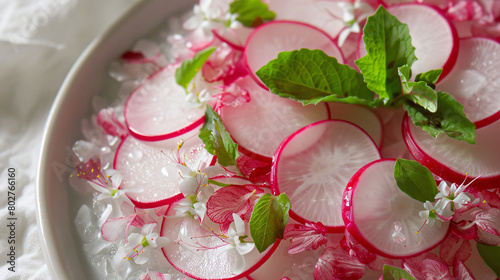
135 154
164 171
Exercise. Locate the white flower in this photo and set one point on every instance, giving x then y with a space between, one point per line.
352 18
438 210
209 16
140 245
453 194
236 244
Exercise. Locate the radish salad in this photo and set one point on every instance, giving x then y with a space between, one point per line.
298 139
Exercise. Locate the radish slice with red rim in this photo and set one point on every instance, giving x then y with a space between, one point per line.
153 169
259 126
234 37
474 80
434 50
451 159
274 37
361 116
192 250
374 209
314 178
157 109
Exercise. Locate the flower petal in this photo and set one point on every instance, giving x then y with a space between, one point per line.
336 263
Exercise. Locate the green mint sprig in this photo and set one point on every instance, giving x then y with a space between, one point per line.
311 76
269 219
190 67
415 180
251 13
395 273
490 256
217 140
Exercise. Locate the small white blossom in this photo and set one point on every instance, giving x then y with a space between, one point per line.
353 15
453 194
236 245
438 210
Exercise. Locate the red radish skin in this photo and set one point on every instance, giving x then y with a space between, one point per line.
174 251
145 166
296 166
260 125
150 108
286 36
359 187
474 80
480 160
237 39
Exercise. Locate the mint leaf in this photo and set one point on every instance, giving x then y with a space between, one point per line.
388 44
217 140
268 220
189 67
419 92
449 118
395 273
430 77
490 256
311 76
251 13
415 180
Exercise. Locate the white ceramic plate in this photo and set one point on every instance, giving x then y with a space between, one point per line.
57 202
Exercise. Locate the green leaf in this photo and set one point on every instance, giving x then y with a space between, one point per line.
217 140
269 219
388 44
415 180
311 76
251 13
419 92
429 77
491 256
395 273
449 118
189 67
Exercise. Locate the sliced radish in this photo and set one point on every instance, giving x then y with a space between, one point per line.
153 170
315 178
374 208
192 249
234 37
434 50
274 37
474 80
259 126
157 109
361 116
451 159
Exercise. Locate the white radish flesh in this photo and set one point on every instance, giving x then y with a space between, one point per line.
374 209
153 170
451 159
315 178
157 109
361 116
269 39
259 126
474 80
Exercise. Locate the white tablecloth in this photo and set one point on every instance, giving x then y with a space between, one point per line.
39 42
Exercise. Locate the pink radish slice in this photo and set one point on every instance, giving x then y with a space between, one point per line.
326 15
157 109
152 169
373 205
259 126
203 263
474 81
451 159
434 50
274 37
315 178
360 116
236 38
